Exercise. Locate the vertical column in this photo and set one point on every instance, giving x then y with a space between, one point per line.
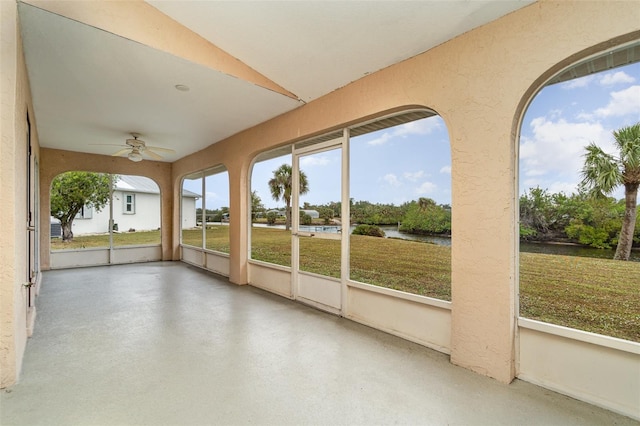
483 251
239 216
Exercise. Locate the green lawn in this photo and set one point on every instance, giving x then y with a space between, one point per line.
597 295
102 240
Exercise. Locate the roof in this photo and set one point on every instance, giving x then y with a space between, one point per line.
145 185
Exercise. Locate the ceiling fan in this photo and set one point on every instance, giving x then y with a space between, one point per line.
136 149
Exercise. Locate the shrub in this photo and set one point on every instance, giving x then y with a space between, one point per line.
527 232
369 230
326 214
428 218
271 218
305 219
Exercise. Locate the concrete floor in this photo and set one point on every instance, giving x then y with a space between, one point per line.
168 344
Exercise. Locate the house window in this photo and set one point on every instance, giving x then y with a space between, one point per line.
86 212
129 204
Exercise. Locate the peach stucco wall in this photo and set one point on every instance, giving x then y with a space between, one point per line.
15 102
479 83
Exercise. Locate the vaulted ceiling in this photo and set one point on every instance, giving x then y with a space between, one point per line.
92 87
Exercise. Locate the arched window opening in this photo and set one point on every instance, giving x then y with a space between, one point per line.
400 203
99 210
573 136
398 187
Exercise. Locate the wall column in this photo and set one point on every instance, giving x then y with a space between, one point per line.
239 210
483 249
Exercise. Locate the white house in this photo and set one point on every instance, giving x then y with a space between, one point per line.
136 205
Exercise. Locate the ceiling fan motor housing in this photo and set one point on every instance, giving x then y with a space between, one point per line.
135 143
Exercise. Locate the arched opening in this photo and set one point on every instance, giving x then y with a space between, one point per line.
111 218
579 312
568 229
368 224
400 188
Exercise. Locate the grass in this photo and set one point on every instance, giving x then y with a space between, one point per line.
102 240
217 237
597 295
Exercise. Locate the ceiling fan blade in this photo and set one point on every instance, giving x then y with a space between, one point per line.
159 149
122 151
152 154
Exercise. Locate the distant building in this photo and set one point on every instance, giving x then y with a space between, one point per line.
136 205
312 213
280 213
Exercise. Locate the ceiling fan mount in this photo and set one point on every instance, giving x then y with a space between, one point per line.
136 149
135 143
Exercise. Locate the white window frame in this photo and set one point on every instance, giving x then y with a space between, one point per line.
125 203
86 212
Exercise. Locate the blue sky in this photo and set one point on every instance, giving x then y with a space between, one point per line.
394 165
563 118
406 162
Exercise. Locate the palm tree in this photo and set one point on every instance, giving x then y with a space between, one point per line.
603 172
280 186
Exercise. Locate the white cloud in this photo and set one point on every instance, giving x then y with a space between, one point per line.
446 170
554 151
418 127
380 140
391 179
426 188
619 77
578 82
623 102
413 177
315 160
214 200
530 183
566 187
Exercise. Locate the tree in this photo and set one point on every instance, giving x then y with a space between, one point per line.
425 216
603 172
256 204
326 214
305 219
71 191
281 184
597 221
426 203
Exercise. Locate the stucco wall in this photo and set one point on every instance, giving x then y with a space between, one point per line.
479 83
15 102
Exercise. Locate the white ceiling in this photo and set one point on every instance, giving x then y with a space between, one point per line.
93 87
